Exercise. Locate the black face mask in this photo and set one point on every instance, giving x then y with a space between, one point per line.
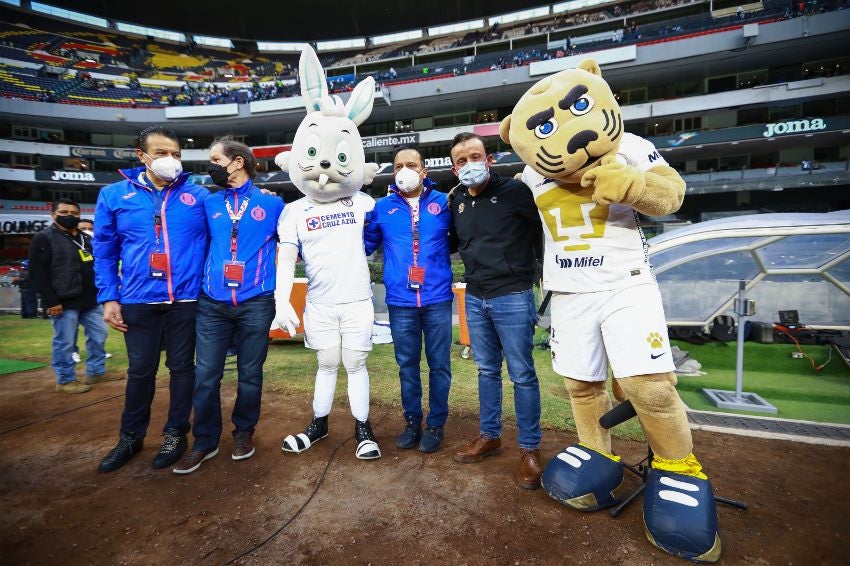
219 174
68 222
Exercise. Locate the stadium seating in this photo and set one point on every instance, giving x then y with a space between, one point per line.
107 53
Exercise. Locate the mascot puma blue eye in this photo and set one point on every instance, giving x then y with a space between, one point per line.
582 106
311 151
546 129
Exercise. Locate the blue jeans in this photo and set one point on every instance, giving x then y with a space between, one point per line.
221 324
504 326
408 325
65 339
148 328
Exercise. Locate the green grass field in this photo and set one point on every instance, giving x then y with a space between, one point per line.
791 385
798 391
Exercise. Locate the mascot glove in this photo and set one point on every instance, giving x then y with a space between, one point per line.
614 182
285 317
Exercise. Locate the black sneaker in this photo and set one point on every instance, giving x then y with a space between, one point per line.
432 439
367 446
315 431
173 446
410 437
128 446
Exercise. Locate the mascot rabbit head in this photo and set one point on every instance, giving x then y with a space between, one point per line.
565 123
327 161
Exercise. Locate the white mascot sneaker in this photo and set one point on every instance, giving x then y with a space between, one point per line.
315 431
367 446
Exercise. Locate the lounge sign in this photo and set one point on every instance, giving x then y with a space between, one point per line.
15 224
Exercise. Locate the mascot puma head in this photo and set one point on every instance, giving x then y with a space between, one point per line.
564 124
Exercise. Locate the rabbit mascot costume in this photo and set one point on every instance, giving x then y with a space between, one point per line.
589 178
327 164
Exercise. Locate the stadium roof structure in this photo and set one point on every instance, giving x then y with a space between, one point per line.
294 21
789 261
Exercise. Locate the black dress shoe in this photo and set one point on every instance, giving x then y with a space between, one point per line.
173 446
128 446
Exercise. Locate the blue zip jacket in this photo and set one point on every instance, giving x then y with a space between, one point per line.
392 225
126 236
256 242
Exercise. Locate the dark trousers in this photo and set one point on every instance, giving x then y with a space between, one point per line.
148 326
29 303
247 327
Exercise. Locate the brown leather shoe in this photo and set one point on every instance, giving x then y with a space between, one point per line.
477 449
243 445
530 469
192 460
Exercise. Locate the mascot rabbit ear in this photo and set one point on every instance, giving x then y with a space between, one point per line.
359 106
314 87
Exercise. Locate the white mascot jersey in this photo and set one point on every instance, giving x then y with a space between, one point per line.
591 247
330 239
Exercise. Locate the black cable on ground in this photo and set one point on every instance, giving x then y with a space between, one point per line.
304 506
41 420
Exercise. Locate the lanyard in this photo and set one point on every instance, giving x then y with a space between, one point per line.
235 217
82 245
158 211
414 219
158 205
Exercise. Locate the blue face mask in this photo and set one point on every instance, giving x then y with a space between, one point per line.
473 174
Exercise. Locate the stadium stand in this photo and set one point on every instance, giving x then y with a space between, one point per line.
76 51
105 72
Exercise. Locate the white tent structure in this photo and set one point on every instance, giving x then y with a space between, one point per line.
790 261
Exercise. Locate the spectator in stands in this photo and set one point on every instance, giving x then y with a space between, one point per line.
413 224
62 271
496 225
236 304
153 225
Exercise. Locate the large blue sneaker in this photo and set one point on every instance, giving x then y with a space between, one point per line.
583 479
680 516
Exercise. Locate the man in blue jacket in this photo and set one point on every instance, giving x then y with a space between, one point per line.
413 223
236 302
149 255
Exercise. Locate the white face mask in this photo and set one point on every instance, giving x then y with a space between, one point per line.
407 180
166 168
89 232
